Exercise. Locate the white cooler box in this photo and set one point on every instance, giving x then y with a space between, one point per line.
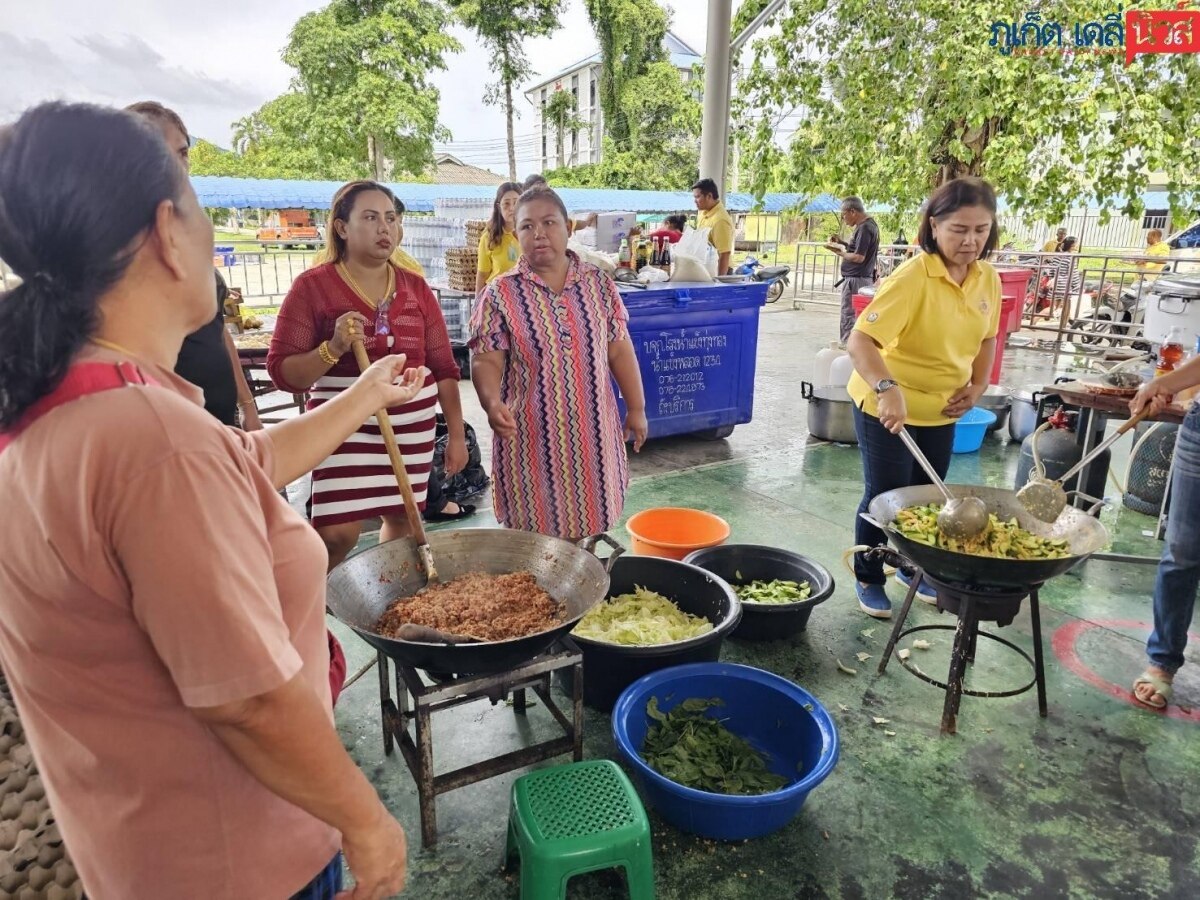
1173 300
612 228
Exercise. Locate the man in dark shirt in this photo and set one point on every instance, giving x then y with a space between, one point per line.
208 357
858 258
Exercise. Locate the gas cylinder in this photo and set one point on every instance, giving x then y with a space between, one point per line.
1059 450
824 361
1149 465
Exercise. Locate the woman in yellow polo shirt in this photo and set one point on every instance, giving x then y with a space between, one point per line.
922 355
498 247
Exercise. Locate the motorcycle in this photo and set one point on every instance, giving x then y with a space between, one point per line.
1117 313
776 277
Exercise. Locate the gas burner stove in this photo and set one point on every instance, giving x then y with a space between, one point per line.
971 604
416 702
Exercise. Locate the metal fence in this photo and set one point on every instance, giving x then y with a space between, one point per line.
1073 302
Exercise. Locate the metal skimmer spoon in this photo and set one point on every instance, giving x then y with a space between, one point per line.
960 518
1045 499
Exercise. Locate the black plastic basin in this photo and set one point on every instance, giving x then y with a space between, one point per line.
740 564
610 668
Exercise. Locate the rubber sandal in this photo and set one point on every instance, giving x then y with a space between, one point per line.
464 511
1162 689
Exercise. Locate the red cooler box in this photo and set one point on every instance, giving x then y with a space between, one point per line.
1014 283
862 301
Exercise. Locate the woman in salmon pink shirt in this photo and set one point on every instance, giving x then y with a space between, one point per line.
162 608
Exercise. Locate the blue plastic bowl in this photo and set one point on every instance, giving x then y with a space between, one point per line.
970 430
777 717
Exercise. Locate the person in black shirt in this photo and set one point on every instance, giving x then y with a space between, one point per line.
208 357
858 258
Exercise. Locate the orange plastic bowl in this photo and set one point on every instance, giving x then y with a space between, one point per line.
673 532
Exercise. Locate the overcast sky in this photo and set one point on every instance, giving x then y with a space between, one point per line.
217 61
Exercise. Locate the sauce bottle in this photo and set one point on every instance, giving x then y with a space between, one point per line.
1170 353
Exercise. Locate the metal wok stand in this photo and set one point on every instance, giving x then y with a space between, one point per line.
971 606
419 701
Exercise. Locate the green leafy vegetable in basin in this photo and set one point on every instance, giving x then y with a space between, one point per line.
699 752
640 619
777 591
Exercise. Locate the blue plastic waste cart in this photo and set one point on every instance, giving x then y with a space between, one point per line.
696 345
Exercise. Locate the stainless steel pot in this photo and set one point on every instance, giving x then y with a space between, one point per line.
830 413
996 399
1022 417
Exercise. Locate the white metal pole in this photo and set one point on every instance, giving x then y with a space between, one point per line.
716 91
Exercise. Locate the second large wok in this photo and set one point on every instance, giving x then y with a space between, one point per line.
362 587
1084 534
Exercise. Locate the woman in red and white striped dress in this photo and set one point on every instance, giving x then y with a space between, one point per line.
359 291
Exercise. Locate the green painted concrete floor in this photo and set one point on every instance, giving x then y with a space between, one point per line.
1097 800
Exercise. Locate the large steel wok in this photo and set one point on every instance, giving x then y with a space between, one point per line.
1084 534
362 587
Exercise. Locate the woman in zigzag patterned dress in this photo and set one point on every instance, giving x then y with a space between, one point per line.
547 338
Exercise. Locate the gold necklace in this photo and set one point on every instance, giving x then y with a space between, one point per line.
374 304
109 345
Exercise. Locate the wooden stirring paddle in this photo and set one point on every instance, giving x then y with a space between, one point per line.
406 491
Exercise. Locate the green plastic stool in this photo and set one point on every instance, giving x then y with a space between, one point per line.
578 818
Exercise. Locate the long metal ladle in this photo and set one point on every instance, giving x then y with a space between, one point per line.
961 517
1044 498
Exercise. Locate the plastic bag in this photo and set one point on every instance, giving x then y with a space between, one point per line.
470 482
694 243
605 262
652 275
690 257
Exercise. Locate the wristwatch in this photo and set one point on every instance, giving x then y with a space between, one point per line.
884 385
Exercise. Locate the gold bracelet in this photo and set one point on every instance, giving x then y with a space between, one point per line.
326 354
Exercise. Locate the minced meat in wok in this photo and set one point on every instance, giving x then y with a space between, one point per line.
484 607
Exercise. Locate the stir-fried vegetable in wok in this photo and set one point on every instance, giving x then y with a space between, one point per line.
1001 539
777 591
699 752
640 619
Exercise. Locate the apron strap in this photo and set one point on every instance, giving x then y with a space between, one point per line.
81 380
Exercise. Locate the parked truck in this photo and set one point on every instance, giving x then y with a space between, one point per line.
291 228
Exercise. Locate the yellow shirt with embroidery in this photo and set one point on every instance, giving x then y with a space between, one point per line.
495 261
404 261
929 330
720 225
1163 249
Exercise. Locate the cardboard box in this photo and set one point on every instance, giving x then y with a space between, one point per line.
611 228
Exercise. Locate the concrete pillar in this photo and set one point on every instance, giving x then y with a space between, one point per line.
713 131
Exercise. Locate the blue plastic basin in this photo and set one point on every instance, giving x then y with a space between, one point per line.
970 430
777 717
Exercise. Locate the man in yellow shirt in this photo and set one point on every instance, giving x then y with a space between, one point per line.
1055 243
1155 247
713 216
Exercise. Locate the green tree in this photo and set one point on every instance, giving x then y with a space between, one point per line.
630 34
208 159
560 111
502 25
362 90
895 100
664 138
286 138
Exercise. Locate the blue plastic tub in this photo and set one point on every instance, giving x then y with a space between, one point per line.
779 718
225 251
971 429
697 348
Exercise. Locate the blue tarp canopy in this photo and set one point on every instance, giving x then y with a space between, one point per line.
268 193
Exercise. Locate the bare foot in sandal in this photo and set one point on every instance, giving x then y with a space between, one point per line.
1153 688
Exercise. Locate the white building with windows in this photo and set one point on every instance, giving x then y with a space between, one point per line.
583 80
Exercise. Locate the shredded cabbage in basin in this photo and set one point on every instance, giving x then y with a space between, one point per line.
640 619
